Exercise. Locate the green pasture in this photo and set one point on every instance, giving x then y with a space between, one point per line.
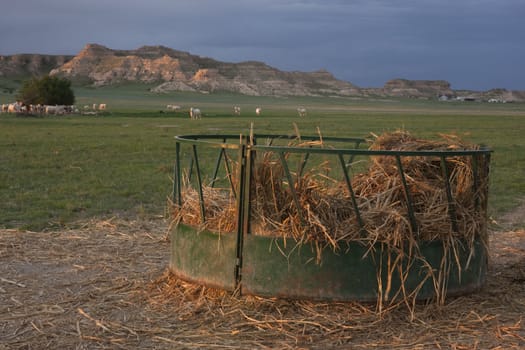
59 171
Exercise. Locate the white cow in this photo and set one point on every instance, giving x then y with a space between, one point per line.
236 110
39 109
258 110
51 109
195 113
14 107
102 106
301 111
61 109
58 109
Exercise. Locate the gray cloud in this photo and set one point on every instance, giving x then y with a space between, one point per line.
475 44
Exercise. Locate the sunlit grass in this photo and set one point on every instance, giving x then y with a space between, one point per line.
55 171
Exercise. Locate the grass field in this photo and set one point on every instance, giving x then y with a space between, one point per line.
57 171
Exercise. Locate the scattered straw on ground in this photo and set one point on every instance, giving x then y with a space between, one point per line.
106 286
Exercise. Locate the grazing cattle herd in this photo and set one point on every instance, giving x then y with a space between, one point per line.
39 110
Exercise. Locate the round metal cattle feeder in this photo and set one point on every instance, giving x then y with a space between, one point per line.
218 239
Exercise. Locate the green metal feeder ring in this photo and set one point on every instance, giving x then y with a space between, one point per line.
274 267
248 263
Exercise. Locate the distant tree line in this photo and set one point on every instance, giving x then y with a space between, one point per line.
47 90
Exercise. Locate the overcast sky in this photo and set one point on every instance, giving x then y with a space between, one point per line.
473 44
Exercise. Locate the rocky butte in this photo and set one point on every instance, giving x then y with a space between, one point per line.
172 70
180 71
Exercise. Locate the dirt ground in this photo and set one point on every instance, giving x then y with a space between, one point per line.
106 286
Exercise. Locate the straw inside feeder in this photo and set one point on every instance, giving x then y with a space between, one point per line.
379 191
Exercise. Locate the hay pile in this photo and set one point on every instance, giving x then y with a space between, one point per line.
328 215
383 191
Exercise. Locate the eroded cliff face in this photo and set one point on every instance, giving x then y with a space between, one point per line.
102 66
417 88
180 71
172 70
